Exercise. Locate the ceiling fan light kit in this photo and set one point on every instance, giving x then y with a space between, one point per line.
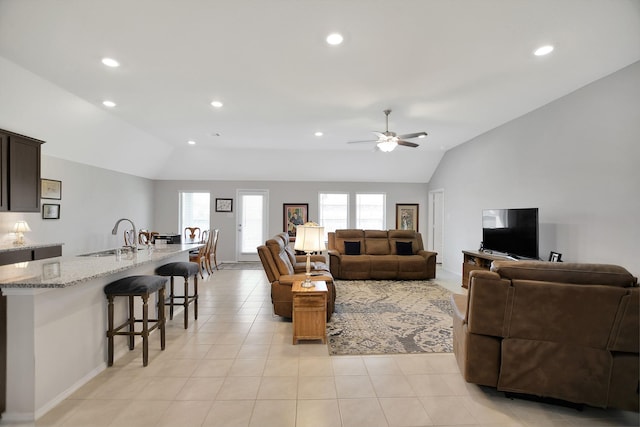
387 146
387 141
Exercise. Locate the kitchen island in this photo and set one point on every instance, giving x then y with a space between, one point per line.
57 322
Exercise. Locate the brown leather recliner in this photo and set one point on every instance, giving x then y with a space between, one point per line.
277 264
299 262
556 330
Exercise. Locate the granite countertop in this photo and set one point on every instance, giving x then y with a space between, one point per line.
61 272
8 247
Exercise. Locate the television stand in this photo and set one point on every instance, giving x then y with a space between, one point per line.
476 260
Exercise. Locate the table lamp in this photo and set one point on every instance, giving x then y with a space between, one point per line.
19 229
309 238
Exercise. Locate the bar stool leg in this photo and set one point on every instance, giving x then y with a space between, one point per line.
145 329
132 324
171 296
195 296
110 331
186 302
161 318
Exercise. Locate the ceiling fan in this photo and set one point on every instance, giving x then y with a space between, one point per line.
387 141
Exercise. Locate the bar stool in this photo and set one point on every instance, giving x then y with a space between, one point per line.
136 286
186 270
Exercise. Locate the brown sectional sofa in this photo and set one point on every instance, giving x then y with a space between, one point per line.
282 267
554 330
379 254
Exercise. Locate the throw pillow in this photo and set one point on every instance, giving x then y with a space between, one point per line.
404 248
352 248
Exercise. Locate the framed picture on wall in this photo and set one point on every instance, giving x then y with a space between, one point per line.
50 189
294 214
224 205
407 216
50 211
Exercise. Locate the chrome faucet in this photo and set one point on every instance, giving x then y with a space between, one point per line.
133 247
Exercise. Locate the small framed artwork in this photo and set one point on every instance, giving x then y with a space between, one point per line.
50 211
224 205
407 216
555 257
50 189
294 214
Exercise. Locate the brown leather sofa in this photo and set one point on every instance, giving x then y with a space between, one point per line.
553 330
282 267
379 254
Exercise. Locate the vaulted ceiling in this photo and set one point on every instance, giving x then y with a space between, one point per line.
452 68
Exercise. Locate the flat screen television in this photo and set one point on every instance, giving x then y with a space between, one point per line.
513 232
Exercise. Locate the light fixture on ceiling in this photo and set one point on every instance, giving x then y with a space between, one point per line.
543 50
309 238
20 228
109 104
335 39
110 62
191 142
318 133
387 145
216 104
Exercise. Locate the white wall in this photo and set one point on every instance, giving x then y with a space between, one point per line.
93 199
577 159
167 205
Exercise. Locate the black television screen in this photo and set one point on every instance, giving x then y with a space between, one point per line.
511 231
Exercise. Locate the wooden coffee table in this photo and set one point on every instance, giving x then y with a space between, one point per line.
309 311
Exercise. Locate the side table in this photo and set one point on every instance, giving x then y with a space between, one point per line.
309 311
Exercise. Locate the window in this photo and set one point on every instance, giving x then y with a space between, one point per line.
194 210
333 211
370 211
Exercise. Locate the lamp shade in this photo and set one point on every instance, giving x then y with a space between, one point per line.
309 238
21 227
388 145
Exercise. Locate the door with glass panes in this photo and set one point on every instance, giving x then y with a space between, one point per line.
252 223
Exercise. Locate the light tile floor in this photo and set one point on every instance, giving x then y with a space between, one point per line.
236 366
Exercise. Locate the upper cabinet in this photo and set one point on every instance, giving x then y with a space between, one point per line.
19 172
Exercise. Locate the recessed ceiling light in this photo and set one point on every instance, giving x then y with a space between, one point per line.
543 50
318 134
191 142
335 39
216 104
109 104
422 136
110 62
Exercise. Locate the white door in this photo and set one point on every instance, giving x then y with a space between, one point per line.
252 220
436 237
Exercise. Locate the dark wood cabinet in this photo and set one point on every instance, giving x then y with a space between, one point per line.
4 167
30 254
474 260
19 172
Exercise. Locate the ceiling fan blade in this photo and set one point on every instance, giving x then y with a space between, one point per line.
380 135
412 135
407 143
366 140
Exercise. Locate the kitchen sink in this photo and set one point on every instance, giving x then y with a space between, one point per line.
107 252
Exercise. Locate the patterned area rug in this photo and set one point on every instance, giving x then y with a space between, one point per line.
390 317
249 265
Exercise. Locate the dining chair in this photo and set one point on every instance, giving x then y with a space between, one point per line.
147 237
191 232
199 256
212 251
